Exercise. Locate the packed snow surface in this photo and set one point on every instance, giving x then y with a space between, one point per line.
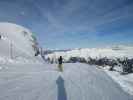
45 82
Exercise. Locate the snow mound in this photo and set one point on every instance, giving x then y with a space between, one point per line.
16 42
125 81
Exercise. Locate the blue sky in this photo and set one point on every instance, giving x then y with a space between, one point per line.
73 23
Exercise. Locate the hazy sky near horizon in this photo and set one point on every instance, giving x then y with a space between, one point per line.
73 23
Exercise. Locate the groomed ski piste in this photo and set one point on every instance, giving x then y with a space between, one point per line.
112 53
45 82
25 77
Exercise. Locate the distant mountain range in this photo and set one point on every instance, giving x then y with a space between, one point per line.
120 51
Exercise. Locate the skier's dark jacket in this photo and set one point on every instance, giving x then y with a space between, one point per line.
60 60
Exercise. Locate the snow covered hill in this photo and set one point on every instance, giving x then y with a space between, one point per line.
16 42
109 52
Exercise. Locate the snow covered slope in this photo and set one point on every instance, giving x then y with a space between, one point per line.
44 82
110 52
17 42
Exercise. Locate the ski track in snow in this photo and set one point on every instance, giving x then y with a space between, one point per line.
44 82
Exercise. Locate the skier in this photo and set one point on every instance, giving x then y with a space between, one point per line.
60 61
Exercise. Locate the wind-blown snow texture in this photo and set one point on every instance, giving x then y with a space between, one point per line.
44 82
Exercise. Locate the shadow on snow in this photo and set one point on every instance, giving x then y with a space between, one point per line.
61 89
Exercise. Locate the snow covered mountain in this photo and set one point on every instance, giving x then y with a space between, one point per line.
109 52
16 42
